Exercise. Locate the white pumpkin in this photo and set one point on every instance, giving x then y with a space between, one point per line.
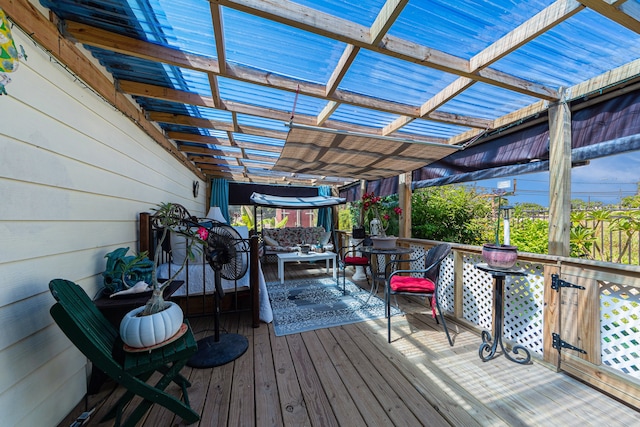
146 331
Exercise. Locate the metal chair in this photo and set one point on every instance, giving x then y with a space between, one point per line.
420 282
348 256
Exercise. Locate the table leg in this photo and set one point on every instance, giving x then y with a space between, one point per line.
335 274
489 346
281 270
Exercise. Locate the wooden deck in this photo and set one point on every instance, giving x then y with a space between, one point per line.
350 376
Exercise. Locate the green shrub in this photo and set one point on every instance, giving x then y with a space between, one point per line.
451 214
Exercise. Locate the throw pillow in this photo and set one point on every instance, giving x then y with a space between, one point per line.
324 237
270 241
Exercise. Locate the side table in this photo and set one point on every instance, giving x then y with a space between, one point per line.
489 346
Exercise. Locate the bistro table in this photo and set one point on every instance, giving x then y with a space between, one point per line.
378 269
488 347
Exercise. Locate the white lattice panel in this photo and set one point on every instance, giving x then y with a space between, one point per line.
477 297
523 302
620 328
445 292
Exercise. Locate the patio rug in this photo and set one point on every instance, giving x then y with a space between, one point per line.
307 305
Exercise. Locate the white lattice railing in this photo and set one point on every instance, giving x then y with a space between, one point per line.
615 338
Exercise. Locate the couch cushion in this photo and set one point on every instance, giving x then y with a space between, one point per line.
270 241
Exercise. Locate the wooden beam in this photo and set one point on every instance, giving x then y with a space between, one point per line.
548 18
326 112
218 33
349 54
141 49
179 119
614 10
326 25
559 179
404 201
385 19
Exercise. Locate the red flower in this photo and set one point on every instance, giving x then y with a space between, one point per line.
203 233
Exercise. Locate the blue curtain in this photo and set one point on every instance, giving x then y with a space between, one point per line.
324 214
220 196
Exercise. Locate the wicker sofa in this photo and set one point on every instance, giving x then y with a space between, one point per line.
289 239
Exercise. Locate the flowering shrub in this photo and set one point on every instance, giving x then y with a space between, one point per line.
385 209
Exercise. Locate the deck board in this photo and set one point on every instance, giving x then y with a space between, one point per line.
349 375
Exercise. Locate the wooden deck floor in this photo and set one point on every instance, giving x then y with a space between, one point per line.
350 376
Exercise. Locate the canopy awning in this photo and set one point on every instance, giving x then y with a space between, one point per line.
296 202
331 152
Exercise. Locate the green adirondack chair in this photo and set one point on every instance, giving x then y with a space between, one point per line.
99 341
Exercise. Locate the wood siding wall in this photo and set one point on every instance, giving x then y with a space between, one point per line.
74 174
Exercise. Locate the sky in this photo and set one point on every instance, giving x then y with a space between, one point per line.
606 180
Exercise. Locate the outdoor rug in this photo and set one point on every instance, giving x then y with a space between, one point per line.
306 305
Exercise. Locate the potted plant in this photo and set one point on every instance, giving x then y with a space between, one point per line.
498 255
159 320
380 213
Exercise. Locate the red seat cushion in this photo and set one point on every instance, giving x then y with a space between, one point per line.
357 260
414 284
411 284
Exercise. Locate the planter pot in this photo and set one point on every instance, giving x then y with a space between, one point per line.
499 256
146 331
386 242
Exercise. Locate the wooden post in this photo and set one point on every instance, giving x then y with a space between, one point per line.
559 178
404 201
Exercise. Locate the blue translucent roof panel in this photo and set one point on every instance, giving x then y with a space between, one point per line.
212 114
360 12
279 48
486 101
462 27
363 116
259 139
431 128
263 96
191 32
244 119
584 46
392 79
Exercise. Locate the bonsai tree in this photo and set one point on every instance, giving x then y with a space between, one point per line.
171 217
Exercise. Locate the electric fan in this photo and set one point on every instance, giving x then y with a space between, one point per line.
226 252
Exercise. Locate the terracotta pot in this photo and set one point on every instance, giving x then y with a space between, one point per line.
499 256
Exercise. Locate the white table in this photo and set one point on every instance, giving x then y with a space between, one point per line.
311 256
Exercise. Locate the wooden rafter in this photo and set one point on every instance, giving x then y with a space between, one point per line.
314 21
141 49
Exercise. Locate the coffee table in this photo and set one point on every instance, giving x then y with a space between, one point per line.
311 256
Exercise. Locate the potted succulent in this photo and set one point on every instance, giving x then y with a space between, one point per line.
498 255
159 320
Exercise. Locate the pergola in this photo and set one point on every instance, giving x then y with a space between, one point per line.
331 92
